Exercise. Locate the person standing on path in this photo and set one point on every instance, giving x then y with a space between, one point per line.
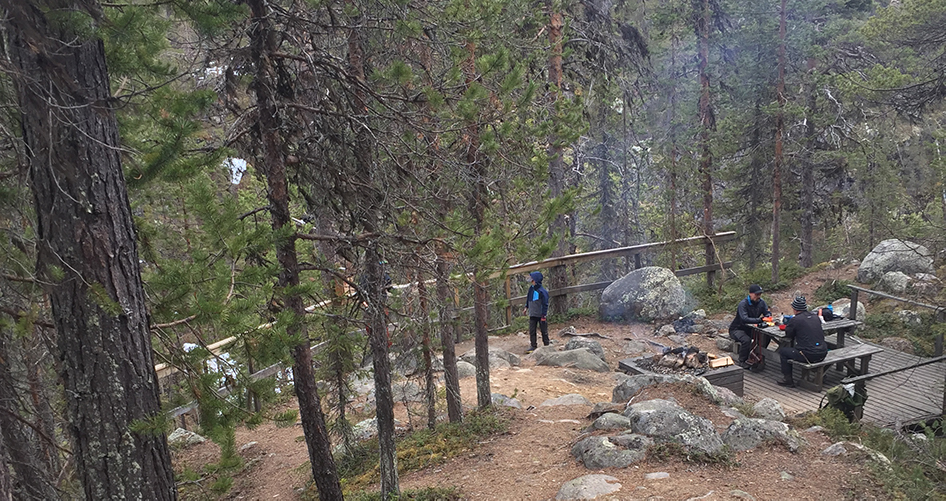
537 307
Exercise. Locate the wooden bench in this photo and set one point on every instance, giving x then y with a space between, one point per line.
812 375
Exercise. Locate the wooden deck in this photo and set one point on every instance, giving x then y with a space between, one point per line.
908 397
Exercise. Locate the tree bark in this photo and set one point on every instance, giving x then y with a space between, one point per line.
272 164
377 319
88 254
430 383
34 480
707 123
559 228
450 376
807 187
779 133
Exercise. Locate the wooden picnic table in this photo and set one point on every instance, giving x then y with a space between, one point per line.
839 327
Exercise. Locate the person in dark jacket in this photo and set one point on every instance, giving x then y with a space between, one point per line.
750 311
537 307
808 336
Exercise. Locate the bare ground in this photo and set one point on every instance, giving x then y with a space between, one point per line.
532 460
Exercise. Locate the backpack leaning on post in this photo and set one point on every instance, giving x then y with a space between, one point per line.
847 398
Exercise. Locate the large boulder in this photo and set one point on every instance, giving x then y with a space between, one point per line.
895 282
598 452
646 294
895 255
667 421
581 358
580 342
748 433
498 358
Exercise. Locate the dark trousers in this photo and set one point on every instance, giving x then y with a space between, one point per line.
745 343
787 353
537 321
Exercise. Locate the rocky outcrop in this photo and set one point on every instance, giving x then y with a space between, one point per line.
646 294
588 487
895 255
620 451
591 345
580 358
666 421
748 433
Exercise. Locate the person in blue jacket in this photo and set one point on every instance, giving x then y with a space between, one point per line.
537 307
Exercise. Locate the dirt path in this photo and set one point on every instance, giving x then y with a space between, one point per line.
533 459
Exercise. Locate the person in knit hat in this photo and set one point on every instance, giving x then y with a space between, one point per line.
537 307
807 336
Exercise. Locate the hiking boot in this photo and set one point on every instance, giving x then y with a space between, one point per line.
530 350
786 382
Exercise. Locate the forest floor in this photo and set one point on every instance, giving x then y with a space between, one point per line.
532 459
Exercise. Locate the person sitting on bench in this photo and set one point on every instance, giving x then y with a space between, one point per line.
809 347
751 310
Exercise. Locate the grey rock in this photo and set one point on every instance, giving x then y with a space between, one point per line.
814 429
724 343
895 282
784 475
634 384
746 434
666 330
592 345
501 400
657 475
366 429
408 391
895 255
634 347
679 339
597 452
738 494
183 438
898 344
495 354
568 331
611 421
412 362
588 487
909 317
570 399
648 293
732 412
836 449
247 446
843 307
465 369
580 358
667 421
768 408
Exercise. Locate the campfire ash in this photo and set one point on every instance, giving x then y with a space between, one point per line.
688 360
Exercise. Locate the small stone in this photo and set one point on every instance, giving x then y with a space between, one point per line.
656 475
736 493
248 446
786 476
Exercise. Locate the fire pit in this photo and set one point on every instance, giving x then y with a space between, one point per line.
682 362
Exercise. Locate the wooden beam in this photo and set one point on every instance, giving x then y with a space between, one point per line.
703 269
868 377
608 253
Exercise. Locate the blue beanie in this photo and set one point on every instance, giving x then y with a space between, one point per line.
537 276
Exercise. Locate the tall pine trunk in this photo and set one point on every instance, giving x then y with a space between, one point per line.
88 255
807 188
272 163
370 221
451 378
779 133
559 229
707 123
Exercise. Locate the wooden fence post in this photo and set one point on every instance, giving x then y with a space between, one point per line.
508 302
852 314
